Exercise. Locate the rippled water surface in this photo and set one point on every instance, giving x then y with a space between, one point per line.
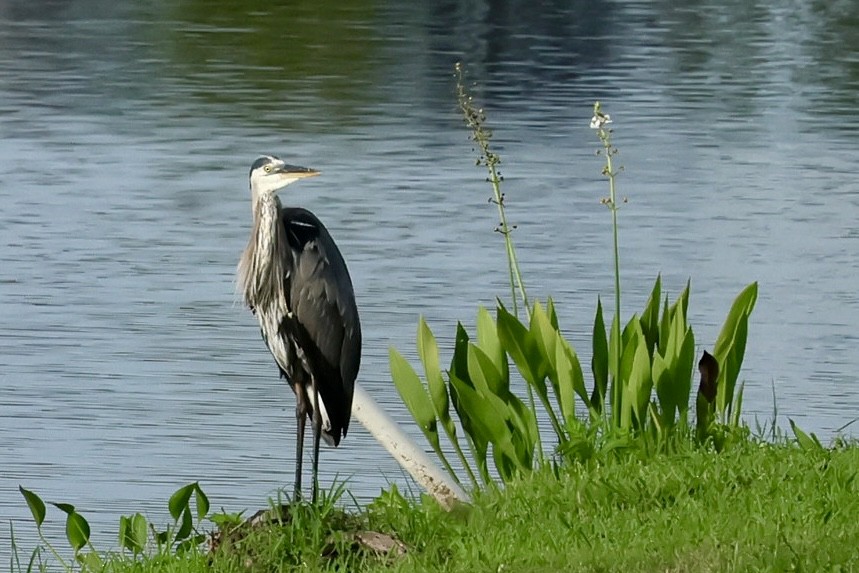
127 365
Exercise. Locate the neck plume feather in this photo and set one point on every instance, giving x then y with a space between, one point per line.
261 268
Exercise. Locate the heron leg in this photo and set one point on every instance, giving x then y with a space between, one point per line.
301 417
317 434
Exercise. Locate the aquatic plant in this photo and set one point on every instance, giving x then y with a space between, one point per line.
136 533
644 369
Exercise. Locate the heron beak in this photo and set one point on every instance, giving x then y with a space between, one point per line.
297 172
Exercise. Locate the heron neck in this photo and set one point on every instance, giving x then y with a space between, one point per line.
264 274
266 214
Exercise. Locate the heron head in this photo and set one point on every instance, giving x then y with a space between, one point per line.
269 174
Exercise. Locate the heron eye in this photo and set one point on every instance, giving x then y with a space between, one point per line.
267 168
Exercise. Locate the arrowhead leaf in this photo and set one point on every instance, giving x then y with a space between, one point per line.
77 530
36 505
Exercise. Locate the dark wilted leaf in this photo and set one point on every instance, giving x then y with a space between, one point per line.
709 369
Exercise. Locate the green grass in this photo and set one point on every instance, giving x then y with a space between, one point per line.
755 507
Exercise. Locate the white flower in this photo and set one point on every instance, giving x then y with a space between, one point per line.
599 120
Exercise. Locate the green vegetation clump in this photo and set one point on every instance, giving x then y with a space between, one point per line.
755 506
641 368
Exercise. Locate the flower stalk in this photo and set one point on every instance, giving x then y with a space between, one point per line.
475 119
600 122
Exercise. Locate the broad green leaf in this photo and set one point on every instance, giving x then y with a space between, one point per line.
682 372
683 299
623 393
553 316
731 344
459 361
599 360
742 306
732 362
630 347
475 433
673 375
570 379
613 337
486 423
36 505
486 378
640 379
139 530
133 532
428 352
522 348
665 326
664 392
650 315
180 499
523 420
124 524
201 501
185 526
66 508
677 334
490 343
632 328
545 336
77 530
414 395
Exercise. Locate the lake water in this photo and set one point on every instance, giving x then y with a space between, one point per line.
128 367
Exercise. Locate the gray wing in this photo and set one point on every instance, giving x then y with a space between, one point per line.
324 321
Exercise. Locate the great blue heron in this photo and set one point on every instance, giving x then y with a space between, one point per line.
295 281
